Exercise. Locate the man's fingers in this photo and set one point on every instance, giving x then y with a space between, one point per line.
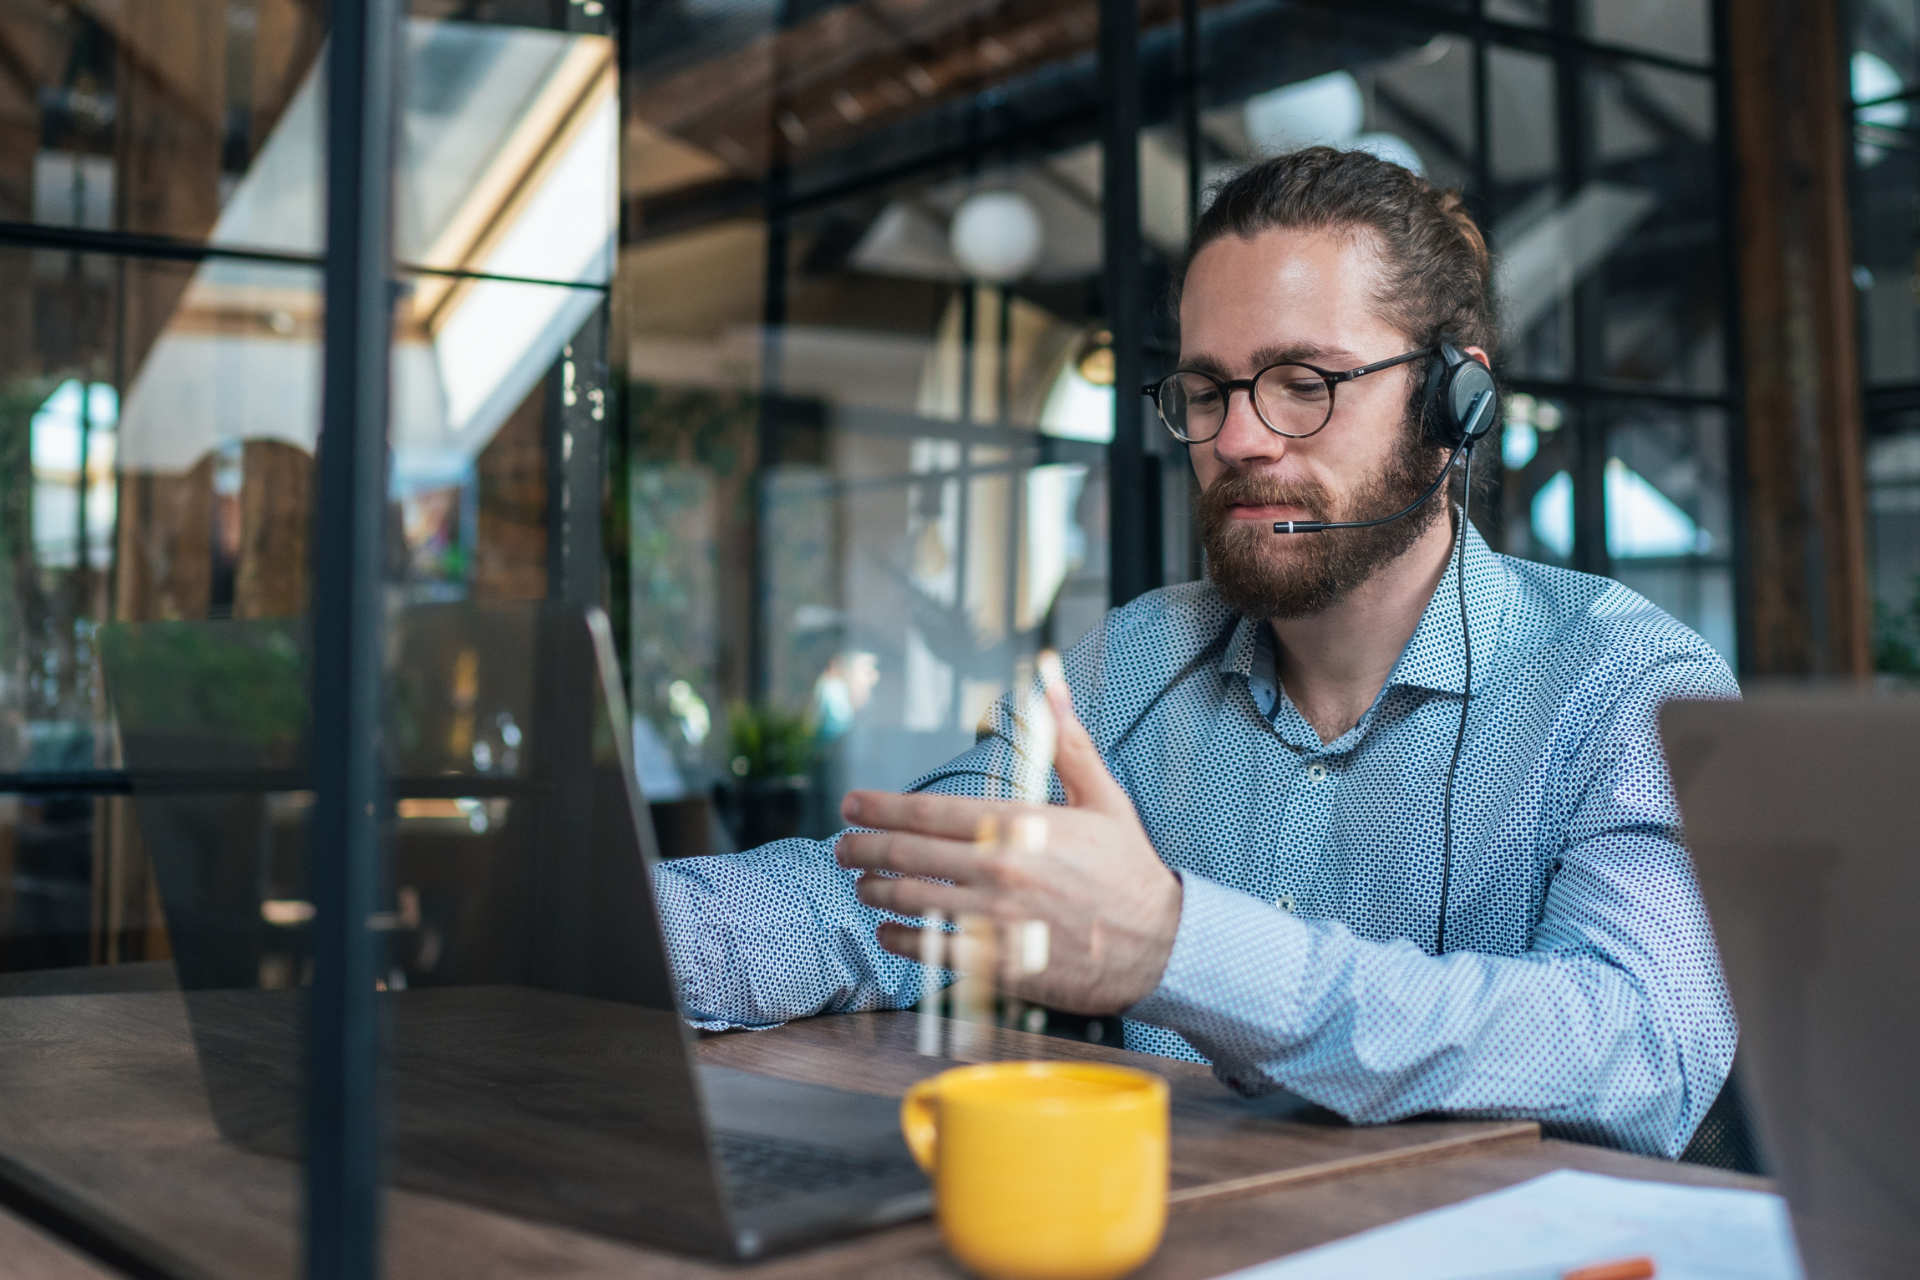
943 817
908 854
1076 760
911 896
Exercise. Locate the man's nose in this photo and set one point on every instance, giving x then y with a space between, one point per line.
1244 439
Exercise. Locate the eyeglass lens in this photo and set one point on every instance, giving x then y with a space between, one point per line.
1290 398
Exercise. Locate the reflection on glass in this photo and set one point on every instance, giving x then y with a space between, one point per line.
505 161
1536 489
866 412
1672 28
1669 514
513 913
202 120
1893 507
1886 31
1886 171
1528 225
1658 266
1408 99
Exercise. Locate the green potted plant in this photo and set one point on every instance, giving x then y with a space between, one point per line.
771 755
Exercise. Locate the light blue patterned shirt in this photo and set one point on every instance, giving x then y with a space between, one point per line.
1580 987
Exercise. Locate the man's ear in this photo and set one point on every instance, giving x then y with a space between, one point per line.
1480 354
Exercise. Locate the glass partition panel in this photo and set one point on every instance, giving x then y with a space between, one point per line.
165 431
535 1062
869 390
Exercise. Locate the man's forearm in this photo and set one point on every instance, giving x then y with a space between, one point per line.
775 933
1379 1031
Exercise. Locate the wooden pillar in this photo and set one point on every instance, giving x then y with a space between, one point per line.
276 525
1809 610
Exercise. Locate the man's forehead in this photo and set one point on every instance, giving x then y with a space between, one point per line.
1303 294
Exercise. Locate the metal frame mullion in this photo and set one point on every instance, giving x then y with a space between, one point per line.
1732 337
1133 532
1590 443
1493 513
343 1115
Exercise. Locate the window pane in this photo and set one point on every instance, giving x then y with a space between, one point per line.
1529 224
1673 28
1536 480
1533 13
1886 47
1893 506
1275 79
203 120
1669 513
167 117
1646 230
1885 241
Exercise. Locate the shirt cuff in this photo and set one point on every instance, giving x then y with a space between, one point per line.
1236 974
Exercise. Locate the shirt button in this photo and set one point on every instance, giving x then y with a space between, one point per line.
1284 902
1316 772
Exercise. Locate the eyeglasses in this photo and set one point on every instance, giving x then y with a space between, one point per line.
1294 400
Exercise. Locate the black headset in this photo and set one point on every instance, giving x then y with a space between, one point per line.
1459 405
1452 410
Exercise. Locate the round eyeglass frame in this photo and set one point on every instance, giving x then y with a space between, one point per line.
1227 386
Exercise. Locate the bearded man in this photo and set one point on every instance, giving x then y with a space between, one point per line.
1373 815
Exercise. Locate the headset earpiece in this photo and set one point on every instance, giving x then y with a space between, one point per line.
1455 384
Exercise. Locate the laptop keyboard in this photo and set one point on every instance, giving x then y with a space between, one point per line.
760 1170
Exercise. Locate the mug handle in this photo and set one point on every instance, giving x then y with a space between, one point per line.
919 1124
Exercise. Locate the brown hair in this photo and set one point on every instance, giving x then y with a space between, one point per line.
1436 278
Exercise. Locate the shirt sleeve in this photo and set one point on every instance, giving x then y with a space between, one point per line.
1614 1027
764 936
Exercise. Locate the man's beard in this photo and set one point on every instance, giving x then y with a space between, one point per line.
1263 574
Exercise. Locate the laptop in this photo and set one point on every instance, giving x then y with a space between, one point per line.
537 1060
1799 811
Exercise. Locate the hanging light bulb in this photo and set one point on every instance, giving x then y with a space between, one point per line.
996 235
1325 110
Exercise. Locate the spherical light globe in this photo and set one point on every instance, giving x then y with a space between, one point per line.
1323 111
996 235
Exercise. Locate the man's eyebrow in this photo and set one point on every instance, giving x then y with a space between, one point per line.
1301 352
1204 364
1305 353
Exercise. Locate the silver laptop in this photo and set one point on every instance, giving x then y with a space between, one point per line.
1800 813
537 1061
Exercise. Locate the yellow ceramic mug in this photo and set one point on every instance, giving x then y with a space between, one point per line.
1044 1170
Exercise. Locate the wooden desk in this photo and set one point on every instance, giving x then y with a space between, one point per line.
101 1098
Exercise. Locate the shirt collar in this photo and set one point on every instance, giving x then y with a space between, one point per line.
1433 658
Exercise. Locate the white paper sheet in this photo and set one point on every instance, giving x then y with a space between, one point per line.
1561 1221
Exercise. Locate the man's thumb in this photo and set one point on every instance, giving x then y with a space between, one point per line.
1075 759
